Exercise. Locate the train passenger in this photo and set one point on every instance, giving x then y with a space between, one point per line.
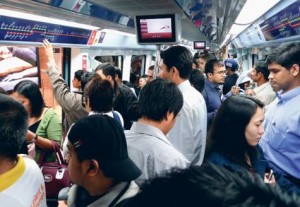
263 91
21 181
119 81
231 67
281 141
159 104
241 86
44 125
71 103
98 163
150 73
142 81
232 141
209 185
215 73
98 95
77 79
125 101
197 80
195 65
189 132
202 59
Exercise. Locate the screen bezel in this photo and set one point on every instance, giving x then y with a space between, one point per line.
174 29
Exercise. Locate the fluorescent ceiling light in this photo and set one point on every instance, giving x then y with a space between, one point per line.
251 11
34 17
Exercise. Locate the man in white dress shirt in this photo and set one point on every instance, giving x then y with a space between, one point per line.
189 132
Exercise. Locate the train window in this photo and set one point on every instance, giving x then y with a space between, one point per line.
114 60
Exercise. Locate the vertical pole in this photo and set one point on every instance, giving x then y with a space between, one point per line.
156 68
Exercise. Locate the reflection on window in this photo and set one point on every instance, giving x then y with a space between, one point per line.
86 8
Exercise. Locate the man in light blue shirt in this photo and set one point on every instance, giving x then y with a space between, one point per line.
159 104
189 132
281 140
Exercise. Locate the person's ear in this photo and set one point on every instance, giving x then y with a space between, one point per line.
93 167
295 69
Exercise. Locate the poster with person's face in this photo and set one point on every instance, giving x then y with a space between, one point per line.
17 64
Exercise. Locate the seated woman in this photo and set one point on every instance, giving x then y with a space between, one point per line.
233 138
44 123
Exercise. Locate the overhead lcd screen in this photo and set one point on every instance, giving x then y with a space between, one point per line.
22 30
199 45
156 29
285 23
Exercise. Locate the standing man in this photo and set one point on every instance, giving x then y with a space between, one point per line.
159 104
263 91
231 67
189 132
125 101
215 73
98 163
71 103
150 73
281 140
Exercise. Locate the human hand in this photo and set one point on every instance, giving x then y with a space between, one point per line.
270 178
250 92
49 52
235 90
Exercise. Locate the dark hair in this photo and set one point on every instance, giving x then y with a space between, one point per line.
158 98
196 55
209 66
107 69
197 80
262 67
85 78
78 74
119 73
196 63
209 185
13 126
151 67
206 56
179 57
144 76
100 94
236 111
31 91
286 55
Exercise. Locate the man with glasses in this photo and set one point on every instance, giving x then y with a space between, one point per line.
215 72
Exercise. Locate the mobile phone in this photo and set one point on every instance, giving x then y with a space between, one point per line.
270 174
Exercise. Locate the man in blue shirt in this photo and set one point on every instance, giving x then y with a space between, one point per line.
281 140
215 72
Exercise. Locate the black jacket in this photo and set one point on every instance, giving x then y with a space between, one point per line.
126 103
